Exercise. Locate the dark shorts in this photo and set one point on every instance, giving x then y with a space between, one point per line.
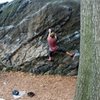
58 50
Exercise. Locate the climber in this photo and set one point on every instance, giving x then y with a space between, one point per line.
52 43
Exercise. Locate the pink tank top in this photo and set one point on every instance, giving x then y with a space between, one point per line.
52 43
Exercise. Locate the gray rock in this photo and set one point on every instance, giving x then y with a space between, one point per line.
24 29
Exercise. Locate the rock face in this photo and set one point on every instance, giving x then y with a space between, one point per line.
23 31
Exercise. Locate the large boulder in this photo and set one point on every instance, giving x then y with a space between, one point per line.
23 33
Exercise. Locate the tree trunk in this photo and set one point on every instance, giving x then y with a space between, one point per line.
88 83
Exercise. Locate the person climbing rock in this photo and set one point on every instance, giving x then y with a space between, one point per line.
53 47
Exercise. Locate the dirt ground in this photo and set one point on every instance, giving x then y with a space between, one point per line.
45 87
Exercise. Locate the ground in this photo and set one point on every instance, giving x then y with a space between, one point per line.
45 87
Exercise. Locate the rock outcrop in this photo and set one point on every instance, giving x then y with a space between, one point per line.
23 31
